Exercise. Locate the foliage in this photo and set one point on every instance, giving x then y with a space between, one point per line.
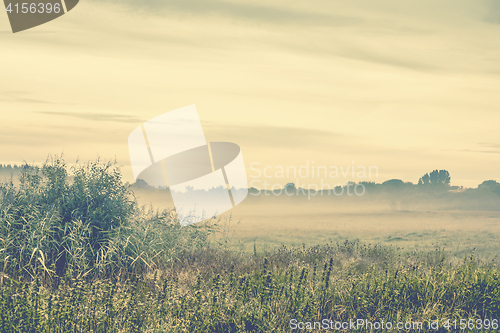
83 220
213 290
436 178
55 220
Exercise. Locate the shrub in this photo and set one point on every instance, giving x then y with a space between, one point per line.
85 221
55 220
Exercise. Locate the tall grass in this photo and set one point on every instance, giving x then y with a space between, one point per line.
82 221
214 290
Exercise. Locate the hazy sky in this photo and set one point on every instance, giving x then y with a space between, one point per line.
407 86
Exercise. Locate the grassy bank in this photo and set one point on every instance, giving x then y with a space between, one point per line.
215 290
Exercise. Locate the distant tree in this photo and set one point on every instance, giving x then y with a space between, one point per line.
490 185
436 177
441 177
368 184
394 182
141 183
424 180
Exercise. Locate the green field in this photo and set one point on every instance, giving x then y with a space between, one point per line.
272 224
457 232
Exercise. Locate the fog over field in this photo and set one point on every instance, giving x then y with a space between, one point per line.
410 218
393 213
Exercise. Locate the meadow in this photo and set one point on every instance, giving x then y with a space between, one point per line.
80 254
275 221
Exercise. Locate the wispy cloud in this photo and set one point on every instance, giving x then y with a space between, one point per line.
235 10
275 136
22 97
493 14
386 59
484 147
481 151
120 118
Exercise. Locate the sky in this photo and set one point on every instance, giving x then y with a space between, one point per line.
407 87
